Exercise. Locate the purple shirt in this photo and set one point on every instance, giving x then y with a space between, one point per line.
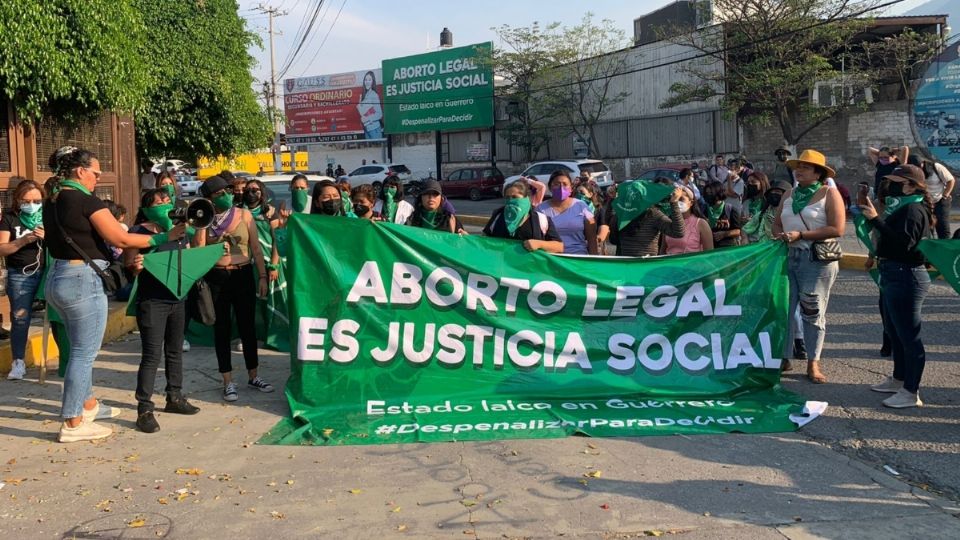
570 224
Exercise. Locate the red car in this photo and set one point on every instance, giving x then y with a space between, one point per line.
473 182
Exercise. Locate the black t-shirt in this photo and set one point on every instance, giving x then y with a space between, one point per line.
148 286
528 230
734 220
74 209
26 255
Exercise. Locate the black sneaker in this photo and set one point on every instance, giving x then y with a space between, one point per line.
180 405
260 385
147 423
799 350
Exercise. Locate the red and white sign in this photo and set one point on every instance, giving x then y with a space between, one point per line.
334 108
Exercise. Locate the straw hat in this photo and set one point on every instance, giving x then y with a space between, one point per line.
812 157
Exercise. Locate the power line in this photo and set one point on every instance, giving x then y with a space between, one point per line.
334 23
293 56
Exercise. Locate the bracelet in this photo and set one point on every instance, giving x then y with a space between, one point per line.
801 235
263 277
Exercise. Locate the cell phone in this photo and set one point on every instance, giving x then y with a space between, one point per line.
863 191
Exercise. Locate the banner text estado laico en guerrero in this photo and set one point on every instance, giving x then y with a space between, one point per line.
400 334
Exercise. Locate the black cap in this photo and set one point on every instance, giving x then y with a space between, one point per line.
431 186
212 185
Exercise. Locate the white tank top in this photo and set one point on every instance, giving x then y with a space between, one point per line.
814 214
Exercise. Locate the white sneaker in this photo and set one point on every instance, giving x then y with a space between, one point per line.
903 399
17 371
186 346
100 412
238 347
230 392
888 386
86 431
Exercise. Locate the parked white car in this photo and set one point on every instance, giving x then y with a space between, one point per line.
278 186
174 165
542 170
189 185
375 173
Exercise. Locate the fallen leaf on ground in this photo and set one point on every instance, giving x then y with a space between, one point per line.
583 481
14 481
289 482
605 506
468 503
277 515
653 533
102 504
593 474
401 527
12 461
395 510
356 491
162 500
131 458
192 472
137 523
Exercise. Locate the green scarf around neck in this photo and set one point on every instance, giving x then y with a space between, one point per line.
714 213
802 196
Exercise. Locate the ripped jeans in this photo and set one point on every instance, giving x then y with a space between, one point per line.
21 289
810 284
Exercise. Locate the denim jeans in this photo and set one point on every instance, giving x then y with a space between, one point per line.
77 293
810 285
21 289
904 288
942 211
161 335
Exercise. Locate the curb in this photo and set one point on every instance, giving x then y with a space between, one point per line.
118 325
476 221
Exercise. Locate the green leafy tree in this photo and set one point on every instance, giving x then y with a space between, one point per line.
71 58
201 100
765 57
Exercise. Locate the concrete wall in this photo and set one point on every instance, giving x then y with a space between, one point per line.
348 155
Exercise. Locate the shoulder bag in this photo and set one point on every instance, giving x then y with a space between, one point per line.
828 250
113 276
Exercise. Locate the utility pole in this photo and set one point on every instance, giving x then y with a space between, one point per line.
272 103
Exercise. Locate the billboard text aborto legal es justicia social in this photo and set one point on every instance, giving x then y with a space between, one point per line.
334 108
443 90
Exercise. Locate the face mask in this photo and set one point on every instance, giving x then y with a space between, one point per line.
514 212
710 199
30 208
160 214
391 191
560 193
884 160
223 202
683 206
895 189
361 209
751 191
773 198
251 198
171 192
331 207
347 203
300 200
31 215
237 199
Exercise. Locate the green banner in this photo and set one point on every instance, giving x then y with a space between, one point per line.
944 255
400 334
447 89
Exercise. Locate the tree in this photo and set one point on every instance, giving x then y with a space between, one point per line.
766 56
71 58
560 78
201 101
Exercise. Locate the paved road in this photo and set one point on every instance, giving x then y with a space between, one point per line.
202 476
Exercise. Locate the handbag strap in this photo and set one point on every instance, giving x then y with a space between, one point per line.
83 255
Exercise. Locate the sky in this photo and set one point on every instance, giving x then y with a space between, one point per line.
368 31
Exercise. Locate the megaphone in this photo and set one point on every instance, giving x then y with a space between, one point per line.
198 214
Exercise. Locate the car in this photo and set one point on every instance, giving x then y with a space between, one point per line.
375 173
541 170
278 187
189 185
669 170
473 182
174 165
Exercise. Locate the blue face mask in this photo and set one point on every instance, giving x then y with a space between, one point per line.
30 208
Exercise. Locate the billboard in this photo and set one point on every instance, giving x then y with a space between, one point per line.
937 107
443 90
334 108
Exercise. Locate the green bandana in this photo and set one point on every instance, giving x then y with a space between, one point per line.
893 204
75 185
755 205
160 214
802 196
256 211
714 213
429 219
347 203
635 197
588 201
171 191
390 205
31 221
223 202
300 200
514 212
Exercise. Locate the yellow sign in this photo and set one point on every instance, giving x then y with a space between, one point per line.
251 163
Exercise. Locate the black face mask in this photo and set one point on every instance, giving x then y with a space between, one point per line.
710 198
331 207
895 189
751 192
360 209
773 198
237 199
250 198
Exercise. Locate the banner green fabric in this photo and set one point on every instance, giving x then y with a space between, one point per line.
634 197
400 334
945 256
197 262
272 323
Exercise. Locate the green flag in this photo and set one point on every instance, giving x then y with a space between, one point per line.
400 334
863 228
196 263
945 256
634 197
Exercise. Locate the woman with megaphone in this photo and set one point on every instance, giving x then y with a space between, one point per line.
232 282
161 316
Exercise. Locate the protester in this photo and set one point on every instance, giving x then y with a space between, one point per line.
168 182
391 207
148 180
885 160
638 235
697 235
517 219
940 184
327 200
21 245
781 172
603 219
299 194
908 217
573 219
735 185
429 211
363 199
753 205
232 283
160 316
812 212
255 200
73 288
724 219
345 189
687 181
589 193
718 172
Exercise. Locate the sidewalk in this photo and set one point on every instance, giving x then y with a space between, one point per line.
202 476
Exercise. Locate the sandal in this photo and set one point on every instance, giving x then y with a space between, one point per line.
785 365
